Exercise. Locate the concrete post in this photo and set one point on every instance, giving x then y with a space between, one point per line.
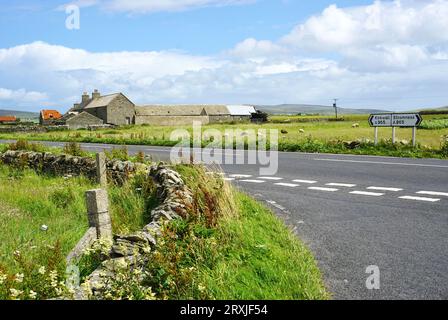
393 135
101 169
98 211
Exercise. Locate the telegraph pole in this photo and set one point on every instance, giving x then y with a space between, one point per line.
335 106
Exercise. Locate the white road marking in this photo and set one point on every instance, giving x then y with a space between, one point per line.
305 181
291 185
385 189
419 199
364 193
323 189
253 181
386 163
270 178
434 193
238 176
229 179
347 185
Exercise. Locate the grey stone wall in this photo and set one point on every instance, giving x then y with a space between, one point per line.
171 120
175 200
119 110
64 165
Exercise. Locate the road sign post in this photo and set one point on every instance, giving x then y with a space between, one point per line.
394 120
376 136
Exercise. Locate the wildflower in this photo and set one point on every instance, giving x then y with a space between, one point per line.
32 295
17 253
201 288
15 293
19 277
42 270
3 277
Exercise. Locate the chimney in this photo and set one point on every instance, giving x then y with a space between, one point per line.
85 99
96 94
76 106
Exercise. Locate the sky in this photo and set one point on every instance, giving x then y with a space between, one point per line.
390 55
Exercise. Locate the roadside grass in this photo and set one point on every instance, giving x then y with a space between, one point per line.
233 248
29 200
326 136
229 247
261 259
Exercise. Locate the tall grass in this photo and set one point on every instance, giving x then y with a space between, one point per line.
230 247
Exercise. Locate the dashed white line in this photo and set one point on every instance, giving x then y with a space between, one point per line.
385 189
420 199
229 179
270 178
239 176
434 193
346 185
304 181
385 163
291 185
323 189
253 181
364 193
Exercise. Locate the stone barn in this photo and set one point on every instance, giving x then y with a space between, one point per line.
172 115
81 120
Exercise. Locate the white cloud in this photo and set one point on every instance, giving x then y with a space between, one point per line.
22 96
386 55
150 6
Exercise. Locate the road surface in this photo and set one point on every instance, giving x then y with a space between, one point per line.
354 212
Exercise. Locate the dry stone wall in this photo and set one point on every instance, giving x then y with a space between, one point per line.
66 165
175 200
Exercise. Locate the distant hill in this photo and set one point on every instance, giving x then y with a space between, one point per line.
312 109
19 114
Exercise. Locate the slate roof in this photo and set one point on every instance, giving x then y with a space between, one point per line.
181 110
102 101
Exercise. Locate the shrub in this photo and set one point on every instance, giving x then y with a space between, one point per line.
118 154
63 198
26 146
73 149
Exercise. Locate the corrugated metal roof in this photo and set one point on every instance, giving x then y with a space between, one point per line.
102 101
181 110
50 114
7 119
240 110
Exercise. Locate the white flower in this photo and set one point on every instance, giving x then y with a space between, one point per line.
32 295
15 293
2 278
42 270
19 277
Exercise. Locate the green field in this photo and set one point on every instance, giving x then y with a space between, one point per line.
296 133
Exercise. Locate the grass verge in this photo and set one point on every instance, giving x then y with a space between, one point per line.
228 247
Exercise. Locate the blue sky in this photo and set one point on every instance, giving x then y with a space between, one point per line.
204 30
383 54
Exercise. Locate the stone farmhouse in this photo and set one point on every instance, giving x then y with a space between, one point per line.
117 110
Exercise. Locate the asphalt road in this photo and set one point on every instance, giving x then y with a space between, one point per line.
354 212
